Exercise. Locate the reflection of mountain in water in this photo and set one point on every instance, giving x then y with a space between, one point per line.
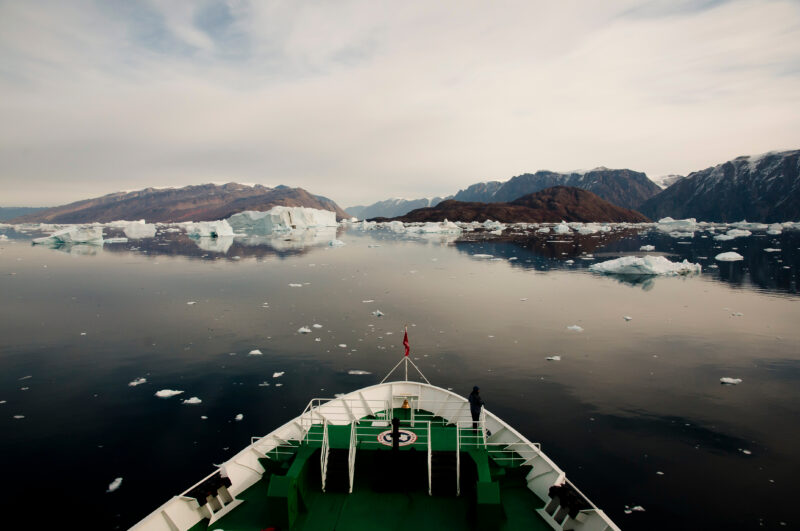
776 270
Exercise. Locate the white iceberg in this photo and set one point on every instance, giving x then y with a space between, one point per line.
358 372
645 265
562 228
238 417
167 393
208 229
771 250
575 328
278 374
553 358
775 229
725 380
493 225
282 219
744 224
478 255
137 381
255 352
445 227
647 248
377 313
304 330
677 225
335 243
75 234
114 485
137 230
729 257
316 325
192 401
731 234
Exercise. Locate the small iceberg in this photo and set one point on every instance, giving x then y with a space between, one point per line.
729 257
731 234
137 381
238 417
725 380
647 248
575 328
646 265
137 230
208 229
335 243
255 352
114 485
191 401
553 358
304 330
167 393
377 313
282 219
358 372
90 235
278 374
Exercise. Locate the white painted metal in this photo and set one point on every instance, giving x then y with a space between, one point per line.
323 456
184 512
351 457
458 461
430 454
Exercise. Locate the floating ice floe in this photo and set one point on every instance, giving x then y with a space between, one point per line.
358 372
192 401
167 393
115 240
203 417
208 229
335 243
137 381
18 417
771 250
543 230
725 380
278 374
669 225
575 328
282 219
342 345
444 227
553 358
729 257
315 325
744 224
731 234
647 248
645 265
255 352
377 313
295 285
264 384
493 225
114 485
627 317
190 303
238 417
634 509
482 256
137 230
304 330
75 234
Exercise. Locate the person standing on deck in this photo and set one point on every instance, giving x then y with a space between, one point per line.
475 405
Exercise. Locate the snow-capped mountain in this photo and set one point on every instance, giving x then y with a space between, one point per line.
391 208
665 181
764 188
625 188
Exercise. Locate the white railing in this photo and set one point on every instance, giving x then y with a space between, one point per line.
430 454
323 458
458 462
351 459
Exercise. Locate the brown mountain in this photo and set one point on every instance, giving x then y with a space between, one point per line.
547 206
203 202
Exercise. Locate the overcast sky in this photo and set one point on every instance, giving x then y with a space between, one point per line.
362 101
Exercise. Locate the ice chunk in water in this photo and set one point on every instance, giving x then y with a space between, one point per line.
166 393
114 485
193 400
647 248
278 374
358 372
282 219
238 417
553 358
255 352
575 328
74 234
295 285
627 317
646 265
335 243
729 257
208 229
304 330
377 313
139 229
725 380
315 325
137 381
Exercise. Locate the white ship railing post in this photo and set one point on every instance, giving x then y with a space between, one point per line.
430 486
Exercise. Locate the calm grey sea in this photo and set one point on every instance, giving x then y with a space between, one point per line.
634 411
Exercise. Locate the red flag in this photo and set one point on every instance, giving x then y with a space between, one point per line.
405 342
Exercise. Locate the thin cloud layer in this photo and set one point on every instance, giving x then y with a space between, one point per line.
360 101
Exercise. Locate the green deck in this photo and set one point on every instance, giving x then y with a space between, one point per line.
385 495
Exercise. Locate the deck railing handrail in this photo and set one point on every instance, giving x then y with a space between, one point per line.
430 455
323 458
351 458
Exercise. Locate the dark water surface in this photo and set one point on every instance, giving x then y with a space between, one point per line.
628 400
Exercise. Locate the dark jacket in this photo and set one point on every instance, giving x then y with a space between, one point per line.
475 403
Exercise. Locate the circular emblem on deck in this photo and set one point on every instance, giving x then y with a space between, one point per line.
406 437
